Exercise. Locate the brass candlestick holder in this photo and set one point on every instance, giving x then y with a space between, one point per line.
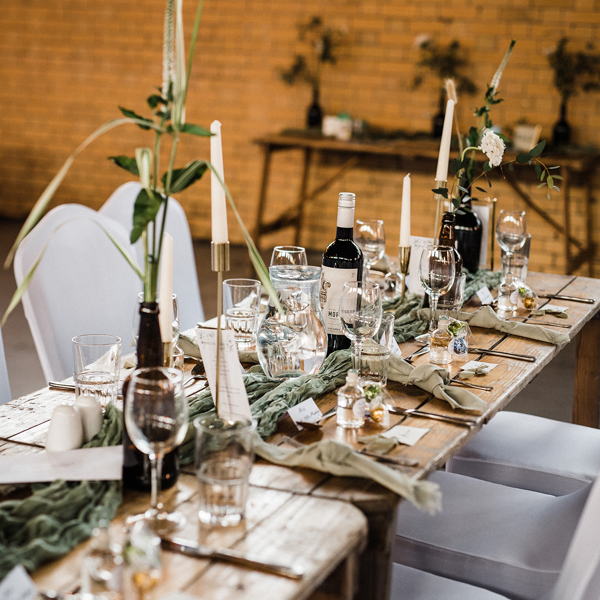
439 199
404 263
219 262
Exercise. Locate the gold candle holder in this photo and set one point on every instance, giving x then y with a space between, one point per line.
168 354
220 262
404 263
439 199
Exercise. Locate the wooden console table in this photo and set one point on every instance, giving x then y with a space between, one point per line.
576 169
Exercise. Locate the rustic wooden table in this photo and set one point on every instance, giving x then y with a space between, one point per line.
311 518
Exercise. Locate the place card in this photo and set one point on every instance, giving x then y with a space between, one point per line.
405 434
17 585
417 244
233 399
484 295
554 308
477 364
395 348
307 411
84 464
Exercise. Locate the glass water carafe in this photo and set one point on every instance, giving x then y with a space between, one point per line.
294 342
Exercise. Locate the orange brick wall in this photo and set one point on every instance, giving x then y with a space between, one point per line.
67 64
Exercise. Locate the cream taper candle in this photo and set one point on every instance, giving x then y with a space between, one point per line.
405 214
218 203
165 300
441 173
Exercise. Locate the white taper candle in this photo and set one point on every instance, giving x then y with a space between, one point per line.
218 200
165 300
405 214
441 173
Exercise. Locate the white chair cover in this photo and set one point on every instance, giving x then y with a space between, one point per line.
531 453
185 278
510 541
82 284
579 577
5 394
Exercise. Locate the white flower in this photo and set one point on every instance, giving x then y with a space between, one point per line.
493 147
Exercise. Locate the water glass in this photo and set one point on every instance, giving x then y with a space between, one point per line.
224 456
451 302
288 255
436 272
96 364
241 303
370 237
511 233
519 261
376 350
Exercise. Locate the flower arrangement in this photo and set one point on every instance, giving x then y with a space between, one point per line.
482 138
168 124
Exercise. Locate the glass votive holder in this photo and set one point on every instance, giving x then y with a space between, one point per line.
375 355
241 304
450 303
224 456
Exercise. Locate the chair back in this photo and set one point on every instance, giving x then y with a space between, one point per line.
5 394
185 279
82 284
580 575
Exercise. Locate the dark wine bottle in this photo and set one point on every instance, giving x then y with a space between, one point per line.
342 261
448 238
136 465
468 231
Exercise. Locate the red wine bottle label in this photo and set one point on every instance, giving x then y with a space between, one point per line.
332 284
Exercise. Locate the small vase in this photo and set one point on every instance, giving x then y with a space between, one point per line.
314 116
437 123
468 232
561 134
150 353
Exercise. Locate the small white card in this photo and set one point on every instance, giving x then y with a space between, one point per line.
554 308
417 244
485 296
307 411
233 399
17 585
476 364
405 434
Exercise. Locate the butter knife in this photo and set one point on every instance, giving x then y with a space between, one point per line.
526 357
413 412
238 558
571 298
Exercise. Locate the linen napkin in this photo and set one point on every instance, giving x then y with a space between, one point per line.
433 379
336 458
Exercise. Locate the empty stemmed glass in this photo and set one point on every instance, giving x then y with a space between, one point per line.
156 419
288 255
370 237
511 232
436 272
360 313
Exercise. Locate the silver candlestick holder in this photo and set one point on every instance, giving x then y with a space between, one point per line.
220 262
404 263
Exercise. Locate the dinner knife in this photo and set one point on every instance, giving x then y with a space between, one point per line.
413 412
525 357
238 558
571 298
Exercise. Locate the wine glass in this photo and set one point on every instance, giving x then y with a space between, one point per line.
135 327
156 419
511 233
288 255
370 238
436 272
360 313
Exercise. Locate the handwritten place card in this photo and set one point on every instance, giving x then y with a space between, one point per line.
17 585
555 308
417 244
233 399
484 295
405 434
307 411
477 364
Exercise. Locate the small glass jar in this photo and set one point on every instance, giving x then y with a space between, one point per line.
351 403
377 410
459 344
440 352
508 297
392 283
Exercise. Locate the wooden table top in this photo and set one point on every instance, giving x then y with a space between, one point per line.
299 514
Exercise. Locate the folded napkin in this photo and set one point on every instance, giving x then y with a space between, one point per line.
433 379
336 458
187 342
468 373
378 443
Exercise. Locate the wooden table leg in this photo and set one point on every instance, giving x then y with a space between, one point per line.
567 218
302 195
586 399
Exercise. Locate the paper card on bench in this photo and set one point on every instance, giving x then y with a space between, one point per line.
405 434
307 412
17 585
417 244
85 464
485 296
233 399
